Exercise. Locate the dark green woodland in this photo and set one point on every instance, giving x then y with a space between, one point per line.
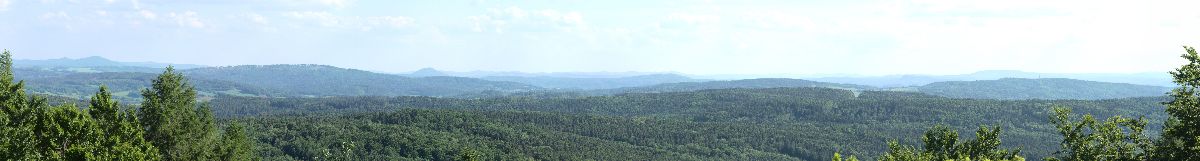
315 112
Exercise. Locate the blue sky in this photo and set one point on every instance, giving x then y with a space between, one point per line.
697 37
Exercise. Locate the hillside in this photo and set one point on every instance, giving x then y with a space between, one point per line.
1149 78
728 84
1046 88
322 80
126 86
722 124
595 83
95 61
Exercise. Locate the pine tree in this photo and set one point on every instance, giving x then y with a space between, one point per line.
122 132
14 114
235 145
1181 132
172 120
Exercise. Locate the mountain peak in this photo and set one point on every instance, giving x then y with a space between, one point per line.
1000 72
95 61
94 58
427 72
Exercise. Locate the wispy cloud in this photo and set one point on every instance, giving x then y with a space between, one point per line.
186 19
4 4
514 18
365 23
866 37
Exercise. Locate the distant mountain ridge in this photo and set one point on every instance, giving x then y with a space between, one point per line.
61 76
257 80
480 74
1045 88
324 80
596 83
1154 79
729 84
126 86
96 61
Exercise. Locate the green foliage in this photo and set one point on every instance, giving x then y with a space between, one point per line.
751 122
1047 88
1116 138
838 157
33 130
802 123
174 122
594 83
470 155
184 129
167 127
1181 134
747 83
444 134
128 84
941 144
235 145
121 130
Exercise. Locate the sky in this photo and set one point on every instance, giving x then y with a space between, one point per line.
865 37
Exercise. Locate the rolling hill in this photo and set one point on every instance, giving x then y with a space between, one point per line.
595 83
745 83
256 80
716 124
96 61
1046 88
323 80
1147 78
126 86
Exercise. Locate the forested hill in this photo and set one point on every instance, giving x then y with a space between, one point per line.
126 86
96 61
728 84
1046 88
719 124
1148 78
323 80
595 83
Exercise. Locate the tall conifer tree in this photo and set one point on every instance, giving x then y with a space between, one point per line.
173 121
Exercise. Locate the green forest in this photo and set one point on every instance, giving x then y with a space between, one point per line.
758 119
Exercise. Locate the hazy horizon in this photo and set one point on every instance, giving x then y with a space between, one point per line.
625 73
868 38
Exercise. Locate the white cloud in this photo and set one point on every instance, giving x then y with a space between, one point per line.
921 36
324 18
257 18
328 20
480 21
391 21
4 4
335 3
149 15
778 20
514 18
60 15
186 19
694 19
